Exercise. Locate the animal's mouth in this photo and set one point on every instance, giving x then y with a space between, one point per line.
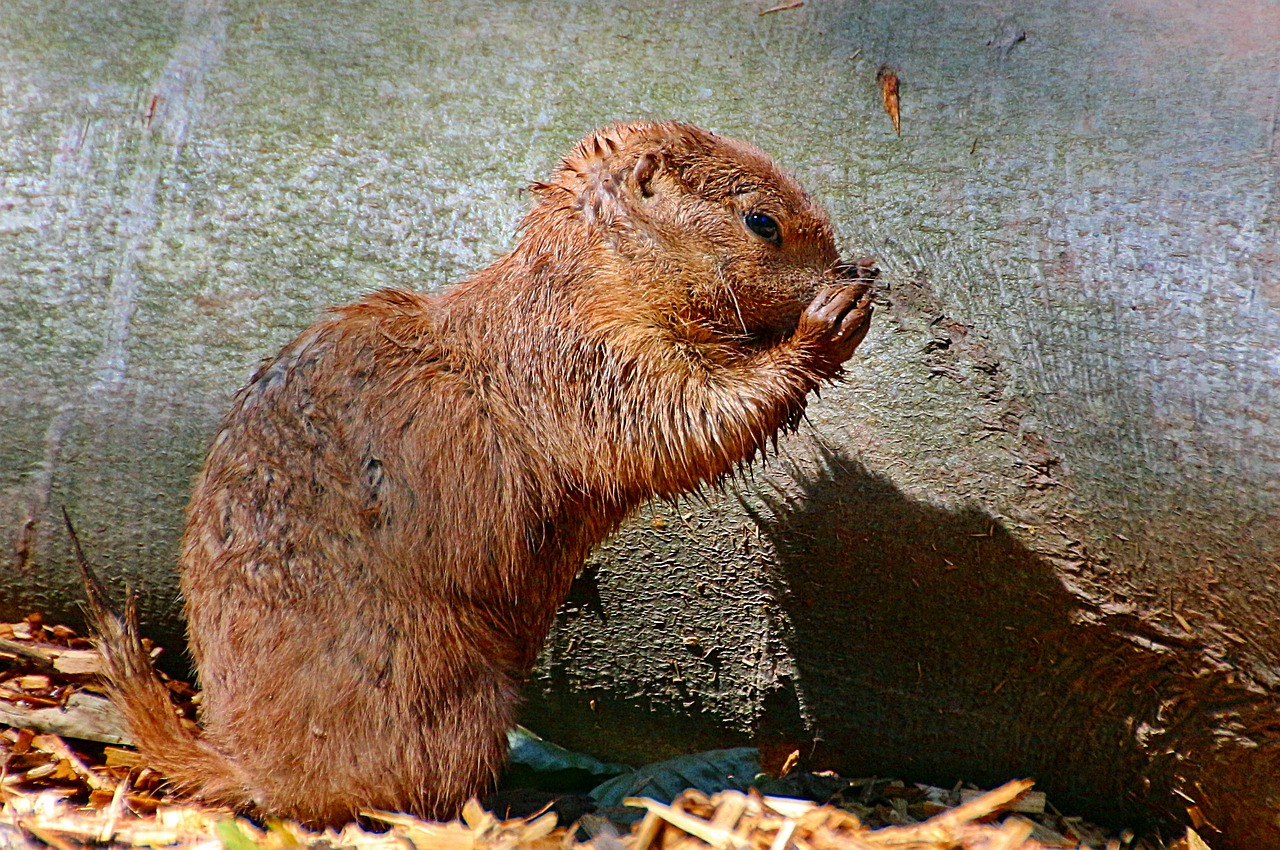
779 320
861 271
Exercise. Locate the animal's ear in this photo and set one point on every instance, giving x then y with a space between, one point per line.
642 174
609 196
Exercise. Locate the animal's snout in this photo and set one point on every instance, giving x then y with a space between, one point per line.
862 270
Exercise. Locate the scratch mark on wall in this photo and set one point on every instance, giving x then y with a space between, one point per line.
1269 259
167 116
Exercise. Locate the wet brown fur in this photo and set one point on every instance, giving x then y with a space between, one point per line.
397 503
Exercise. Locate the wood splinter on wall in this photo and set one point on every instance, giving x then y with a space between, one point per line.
887 78
782 7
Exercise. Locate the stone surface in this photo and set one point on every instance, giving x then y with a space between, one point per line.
1035 532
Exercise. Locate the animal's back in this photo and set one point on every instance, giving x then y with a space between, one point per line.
356 471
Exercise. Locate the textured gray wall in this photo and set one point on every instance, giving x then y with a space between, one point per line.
1035 532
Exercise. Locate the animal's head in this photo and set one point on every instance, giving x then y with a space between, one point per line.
712 227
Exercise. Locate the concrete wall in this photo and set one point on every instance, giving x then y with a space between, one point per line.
1035 532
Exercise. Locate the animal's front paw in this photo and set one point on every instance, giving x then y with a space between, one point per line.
837 320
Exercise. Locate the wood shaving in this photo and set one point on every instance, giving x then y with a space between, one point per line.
62 795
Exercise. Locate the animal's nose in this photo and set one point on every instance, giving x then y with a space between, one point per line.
862 270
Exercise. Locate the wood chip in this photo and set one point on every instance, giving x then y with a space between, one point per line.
46 783
55 746
84 716
120 757
648 830
788 807
1028 802
727 821
72 662
1194 841
32 682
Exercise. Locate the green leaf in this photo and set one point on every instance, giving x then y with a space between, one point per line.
709 772
233 837
536 763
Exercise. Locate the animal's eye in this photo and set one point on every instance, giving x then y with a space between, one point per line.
763 226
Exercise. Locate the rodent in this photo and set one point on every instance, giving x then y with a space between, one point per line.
396 504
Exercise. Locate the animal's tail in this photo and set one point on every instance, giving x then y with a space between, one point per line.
191 765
